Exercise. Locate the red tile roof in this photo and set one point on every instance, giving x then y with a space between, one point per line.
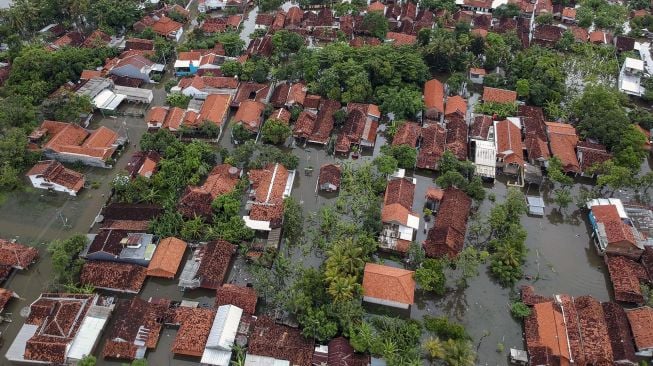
221 180
447 236
156 115
457 137
139 44
481 127
240 296
590 154
509 143
250 114
214 109
388 283
167 257
401 39
216 258
498 95
398 201
641 323
165 26
563 140
53 171
434 95
569 13
203 82
121 277
72 139
407 134
17 255
432 146
329 173
615 229
626 275
194 329
457 105
280 342
90 74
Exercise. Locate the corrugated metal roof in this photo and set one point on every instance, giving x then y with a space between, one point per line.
225 326
215 357
17 349
86 338
255 360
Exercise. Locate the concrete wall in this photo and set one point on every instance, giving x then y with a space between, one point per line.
71 159
41 183
393 304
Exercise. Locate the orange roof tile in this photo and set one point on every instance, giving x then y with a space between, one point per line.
376 6
174 118
388 283
563 141
509 143
165 26
156 115
215 108
249 114
641 323
456 104
569 13
401 39
167 257
434 95
90 74
552 330
498 95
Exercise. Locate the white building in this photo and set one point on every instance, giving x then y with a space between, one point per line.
630 76
485 158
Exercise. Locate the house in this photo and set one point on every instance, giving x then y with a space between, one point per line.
296 95
547 35
272 344
194 327
476 75
52 175
208 266
568 15
626 276
268 188
112 276
196 201
199 62
120 246
599 37
496 95
580 330
242 297
456 107
251 91
509 146
139 44
136 328
535 205
339 352
447 236
456 138
400 223
317 128
222 336
199 87
156 116
591 154
407 134
167 258
624 44
281 114
215 110
168 28
485 158
482 128
280 95
205 6
360 127
433 99
431 147
612 232
630 76
535 132
329 178
70 143
60 329
641 324
135 67
563 140
388 286
250 115
15 256
128 216
400 39
433 198
107 94
143 164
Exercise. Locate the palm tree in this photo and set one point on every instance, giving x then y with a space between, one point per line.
509 256
459 353
342 288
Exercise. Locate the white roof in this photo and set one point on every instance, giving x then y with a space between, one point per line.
609 201
255 360
16 351
413 222
137 94
406 233
485 153
633 63
182 63
257 224
216 357
630 84
515 120
108 100
224 328
86 338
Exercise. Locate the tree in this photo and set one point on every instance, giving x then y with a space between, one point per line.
403 102
114 14
447 5
455 82
317 325
286 43
522 88
275 131
445 329
376 24
88 360
434 349
386 164
269 5
556 174
520 310
178 100
405 155
600 115
158 141
293 221
459 353
629 151
509 10
502 110
65 263
645 182
563 198
613 176
545 18
233 45
430 276
231 68
241 134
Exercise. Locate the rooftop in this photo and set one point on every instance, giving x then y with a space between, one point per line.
641 324
388 283
194 329
120 277
17 255
280 341
499 95
447 236
240 296
167 257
